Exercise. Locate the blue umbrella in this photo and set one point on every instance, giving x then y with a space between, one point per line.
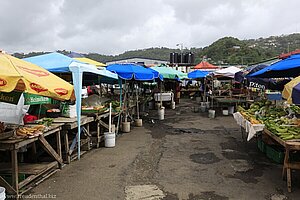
132 72
289 67
197 74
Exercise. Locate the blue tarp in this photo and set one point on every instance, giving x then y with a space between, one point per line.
289 67
197 74
132 72
59 63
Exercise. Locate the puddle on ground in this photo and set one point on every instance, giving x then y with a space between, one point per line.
204 158
231 154
248 176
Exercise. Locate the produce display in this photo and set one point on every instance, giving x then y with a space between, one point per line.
30 132
102 108
281 121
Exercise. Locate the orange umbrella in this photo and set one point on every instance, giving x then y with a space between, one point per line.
17 74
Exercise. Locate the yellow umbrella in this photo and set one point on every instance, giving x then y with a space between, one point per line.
17 74
288 88
90 61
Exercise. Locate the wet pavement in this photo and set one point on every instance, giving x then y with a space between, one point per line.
186 156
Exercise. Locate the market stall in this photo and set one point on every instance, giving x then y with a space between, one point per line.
172 76
22 76
132 74
58 63
274 126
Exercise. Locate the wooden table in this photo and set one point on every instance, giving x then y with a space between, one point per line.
288 164
34 171
69 125
228 100
102 125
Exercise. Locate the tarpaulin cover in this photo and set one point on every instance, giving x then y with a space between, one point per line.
289 67
227 72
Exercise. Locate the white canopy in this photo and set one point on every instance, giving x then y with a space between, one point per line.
227 72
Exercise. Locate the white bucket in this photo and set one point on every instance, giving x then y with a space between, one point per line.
139 122
126 127
211 113
2 193
109 139
161 113
231 109
173 105
198 99
225 112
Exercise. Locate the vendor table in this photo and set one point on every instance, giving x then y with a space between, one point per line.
288 164
228 101
34 171
101 125
71 124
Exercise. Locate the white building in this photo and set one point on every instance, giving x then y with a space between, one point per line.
143 61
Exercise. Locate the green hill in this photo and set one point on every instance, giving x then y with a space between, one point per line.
227 50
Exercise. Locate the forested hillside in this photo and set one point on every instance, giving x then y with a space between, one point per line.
227 50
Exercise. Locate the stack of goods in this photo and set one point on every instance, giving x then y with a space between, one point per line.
281 121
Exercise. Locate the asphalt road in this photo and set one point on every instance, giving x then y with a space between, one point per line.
186 156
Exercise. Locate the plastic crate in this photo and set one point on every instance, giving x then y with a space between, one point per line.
275 153
261 145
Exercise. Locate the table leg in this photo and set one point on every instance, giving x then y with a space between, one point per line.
67 148
285 164
15 170
58 146
88 136
289 179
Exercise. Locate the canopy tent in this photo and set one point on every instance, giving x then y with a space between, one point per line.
197 74
289 67
17 74
90 61
169 73
227 72
130 71
205 65
56 62
291 91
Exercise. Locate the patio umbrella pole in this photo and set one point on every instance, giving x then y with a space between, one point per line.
137 102
160 94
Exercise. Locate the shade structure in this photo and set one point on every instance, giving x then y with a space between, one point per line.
197 74
169 73
59 63
227 72
291 91
289 67
90 61
131 71
205 65
17 74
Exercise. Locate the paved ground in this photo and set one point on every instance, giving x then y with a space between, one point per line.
186 156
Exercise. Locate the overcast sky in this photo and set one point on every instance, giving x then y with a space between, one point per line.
115 26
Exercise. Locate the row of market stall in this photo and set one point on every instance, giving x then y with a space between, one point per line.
60 125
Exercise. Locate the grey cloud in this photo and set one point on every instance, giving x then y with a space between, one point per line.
114 26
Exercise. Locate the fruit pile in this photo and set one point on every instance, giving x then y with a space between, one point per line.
30 132
279 120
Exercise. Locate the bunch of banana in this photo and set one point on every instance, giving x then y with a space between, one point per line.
30 131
